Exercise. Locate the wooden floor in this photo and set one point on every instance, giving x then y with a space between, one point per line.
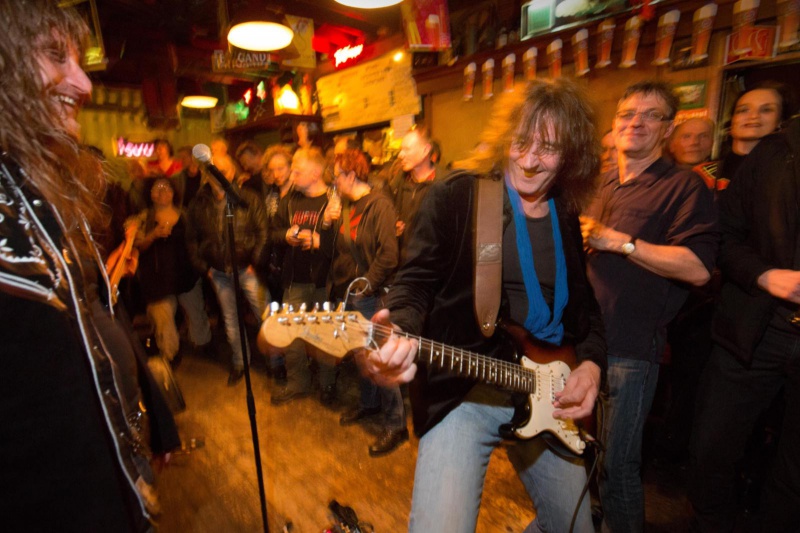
309 460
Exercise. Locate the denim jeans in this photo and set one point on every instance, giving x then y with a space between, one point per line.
255 295
730 401
451 467
298 375
389 399
632 386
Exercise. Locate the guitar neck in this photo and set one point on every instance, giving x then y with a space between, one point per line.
509 376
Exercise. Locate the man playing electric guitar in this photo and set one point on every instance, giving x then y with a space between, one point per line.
542 143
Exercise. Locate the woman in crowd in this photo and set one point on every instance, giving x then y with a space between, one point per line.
165 272
756 114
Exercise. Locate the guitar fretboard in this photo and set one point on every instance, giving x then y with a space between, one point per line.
509 376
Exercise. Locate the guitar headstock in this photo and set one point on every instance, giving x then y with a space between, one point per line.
335 332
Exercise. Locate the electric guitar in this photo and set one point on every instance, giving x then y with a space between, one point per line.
541 371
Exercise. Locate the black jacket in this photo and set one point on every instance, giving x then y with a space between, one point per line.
206 233
375 243
432 294
759 217
69 446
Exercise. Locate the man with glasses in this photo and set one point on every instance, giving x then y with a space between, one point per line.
651 231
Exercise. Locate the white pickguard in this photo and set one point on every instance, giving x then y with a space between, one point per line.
550 379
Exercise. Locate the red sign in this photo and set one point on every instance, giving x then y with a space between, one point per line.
761 42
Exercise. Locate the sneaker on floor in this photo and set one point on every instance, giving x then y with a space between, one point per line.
286 395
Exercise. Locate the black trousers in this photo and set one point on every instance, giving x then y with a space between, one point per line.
730 399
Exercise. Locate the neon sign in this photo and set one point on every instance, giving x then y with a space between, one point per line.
343 55
126 148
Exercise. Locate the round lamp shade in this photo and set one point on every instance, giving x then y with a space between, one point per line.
369 4
199 102
260 36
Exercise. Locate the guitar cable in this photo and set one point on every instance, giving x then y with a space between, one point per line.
599 450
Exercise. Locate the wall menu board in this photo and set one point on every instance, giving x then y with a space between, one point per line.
368 93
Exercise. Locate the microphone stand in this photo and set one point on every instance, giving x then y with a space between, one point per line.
251 404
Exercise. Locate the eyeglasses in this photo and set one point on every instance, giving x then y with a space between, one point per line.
647 116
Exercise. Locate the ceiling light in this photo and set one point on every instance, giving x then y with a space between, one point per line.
199 102
369 4
260 35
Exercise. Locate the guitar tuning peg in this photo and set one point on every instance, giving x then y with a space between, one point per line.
316 307
284 308
274 307
326 307
340 308
303 307
291 309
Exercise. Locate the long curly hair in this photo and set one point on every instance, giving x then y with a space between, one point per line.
68 176
520 115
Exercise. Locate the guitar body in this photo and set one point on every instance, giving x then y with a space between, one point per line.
534 412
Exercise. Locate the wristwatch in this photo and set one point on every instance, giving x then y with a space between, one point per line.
629 247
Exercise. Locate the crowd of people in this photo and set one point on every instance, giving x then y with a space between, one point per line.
625 248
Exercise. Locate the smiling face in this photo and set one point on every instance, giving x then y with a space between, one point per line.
64 82
757 113
641 136
533 169
692 141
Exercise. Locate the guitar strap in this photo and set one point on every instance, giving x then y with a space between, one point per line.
488 233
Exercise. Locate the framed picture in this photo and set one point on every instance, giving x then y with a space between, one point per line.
692 94
95 54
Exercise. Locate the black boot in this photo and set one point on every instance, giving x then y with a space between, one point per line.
388 441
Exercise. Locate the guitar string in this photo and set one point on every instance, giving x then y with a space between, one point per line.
526 374
532 379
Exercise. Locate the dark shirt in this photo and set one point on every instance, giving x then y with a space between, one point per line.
540 231
665 205
727 169
188 185
306 214
164 267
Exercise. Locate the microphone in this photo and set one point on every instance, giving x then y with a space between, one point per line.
202 153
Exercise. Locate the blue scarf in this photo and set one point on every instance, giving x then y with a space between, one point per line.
539 321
